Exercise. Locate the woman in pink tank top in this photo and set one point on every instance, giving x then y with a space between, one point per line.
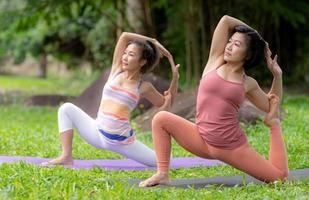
216 134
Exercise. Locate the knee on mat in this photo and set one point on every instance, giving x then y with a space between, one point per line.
283 176
160 118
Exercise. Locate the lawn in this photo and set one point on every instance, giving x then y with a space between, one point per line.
32 131
72 84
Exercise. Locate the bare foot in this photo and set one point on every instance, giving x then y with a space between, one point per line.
62 160
157 179
272 118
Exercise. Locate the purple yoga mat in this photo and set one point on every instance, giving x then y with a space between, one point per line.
116 164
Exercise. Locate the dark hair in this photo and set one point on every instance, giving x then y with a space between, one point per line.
256 45
149 52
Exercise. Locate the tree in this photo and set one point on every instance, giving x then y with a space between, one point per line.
88 30
65 29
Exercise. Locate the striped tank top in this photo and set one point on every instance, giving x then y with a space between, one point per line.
115 126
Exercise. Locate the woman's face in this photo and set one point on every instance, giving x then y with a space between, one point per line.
131 58
236 48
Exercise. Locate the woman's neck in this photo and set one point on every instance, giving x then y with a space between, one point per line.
132 75
235 67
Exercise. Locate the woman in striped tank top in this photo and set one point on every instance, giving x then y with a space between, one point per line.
134 56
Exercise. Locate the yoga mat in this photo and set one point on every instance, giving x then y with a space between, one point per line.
226 181
115 164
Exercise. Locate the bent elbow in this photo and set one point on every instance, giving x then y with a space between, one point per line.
225 18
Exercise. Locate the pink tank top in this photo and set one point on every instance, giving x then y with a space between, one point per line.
217 106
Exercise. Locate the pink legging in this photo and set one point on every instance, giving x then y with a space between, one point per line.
166 125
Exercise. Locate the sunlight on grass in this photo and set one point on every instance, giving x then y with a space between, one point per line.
72 85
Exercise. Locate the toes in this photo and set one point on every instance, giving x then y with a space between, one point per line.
147 184
143 184
152 181
156 179
46 164
57 162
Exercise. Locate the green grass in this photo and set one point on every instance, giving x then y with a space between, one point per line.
32 131
72 85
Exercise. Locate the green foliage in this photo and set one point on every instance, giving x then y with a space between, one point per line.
70 30
99 42
172 22
86 30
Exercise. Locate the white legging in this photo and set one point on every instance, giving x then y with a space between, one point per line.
70 116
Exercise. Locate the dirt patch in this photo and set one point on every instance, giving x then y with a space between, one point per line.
47 100
11 97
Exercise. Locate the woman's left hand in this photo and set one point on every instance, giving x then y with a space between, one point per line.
272 64
175 70
164 52
167 101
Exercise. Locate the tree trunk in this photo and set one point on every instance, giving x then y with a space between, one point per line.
192 37
188 55
140 18
203 35
136 16
149 25
42 73
120 17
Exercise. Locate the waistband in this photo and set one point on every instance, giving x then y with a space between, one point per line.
116 137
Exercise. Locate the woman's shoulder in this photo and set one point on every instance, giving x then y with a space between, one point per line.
212 65
145 85
250 79
115 73
250 83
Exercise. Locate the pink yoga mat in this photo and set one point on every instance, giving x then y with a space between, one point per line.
111 164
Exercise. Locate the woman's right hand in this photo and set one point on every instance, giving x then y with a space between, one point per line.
272 64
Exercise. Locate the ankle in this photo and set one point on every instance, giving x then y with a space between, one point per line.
275 128
66 156
163 173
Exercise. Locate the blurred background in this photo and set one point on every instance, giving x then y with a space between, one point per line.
53 39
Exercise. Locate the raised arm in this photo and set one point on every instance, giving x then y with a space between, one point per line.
151 94
274 68
121 45
175 76
157 99
219 40
162 102
174 83
256 95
